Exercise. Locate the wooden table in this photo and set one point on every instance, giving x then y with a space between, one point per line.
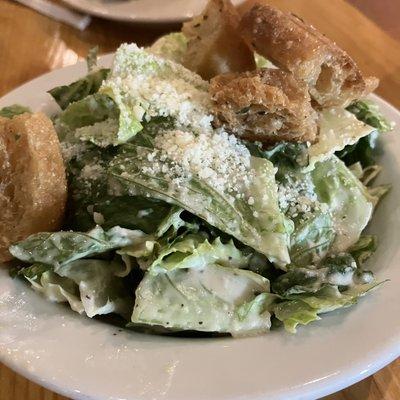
31 44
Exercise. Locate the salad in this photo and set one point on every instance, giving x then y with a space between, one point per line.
175 224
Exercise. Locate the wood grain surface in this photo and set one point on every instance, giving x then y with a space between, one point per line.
31 44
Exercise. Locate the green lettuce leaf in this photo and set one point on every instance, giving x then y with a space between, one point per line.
94 287
79 90
195 251
367 176
368 112
59 248
284 154
305 308
101 287
261 226
171 46
312 238
147 250
338 128
209 299
129 212
262 62
338 270
366 149
364 248
12 111
145 86
90 111
348 200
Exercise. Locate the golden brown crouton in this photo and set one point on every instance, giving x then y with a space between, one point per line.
332 76
33 186
214 46
267 105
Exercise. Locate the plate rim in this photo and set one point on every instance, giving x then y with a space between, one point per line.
102 13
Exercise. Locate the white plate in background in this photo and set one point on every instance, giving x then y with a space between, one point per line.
145 11
87 359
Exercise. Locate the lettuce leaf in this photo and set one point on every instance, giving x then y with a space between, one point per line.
195 251
368 112
262 62
338 129
312 238
13 110
348 200
364 248
209 299
90 84
338 270
129 212
94 287
262 226
59 248
305 308
366 149
171 46
89 111
145 86
285 154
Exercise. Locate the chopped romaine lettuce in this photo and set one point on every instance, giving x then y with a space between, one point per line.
365 150
131 212
91 286
348 200
101 287
195 251
90 84
339 270
338 128
305 308
284 154
12 111
364 248
171 46
89 111
211 299
368 112
261 226
145 86
312 238
59 248
262 62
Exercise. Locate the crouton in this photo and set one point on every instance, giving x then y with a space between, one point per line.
214 46
287 41
267 105
33 188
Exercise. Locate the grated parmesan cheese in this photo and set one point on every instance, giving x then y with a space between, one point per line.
217 158
297 196
152 86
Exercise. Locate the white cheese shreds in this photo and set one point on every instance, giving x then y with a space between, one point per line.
217 158
297 196
147 86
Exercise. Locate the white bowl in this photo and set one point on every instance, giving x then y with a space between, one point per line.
88 359
143 11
